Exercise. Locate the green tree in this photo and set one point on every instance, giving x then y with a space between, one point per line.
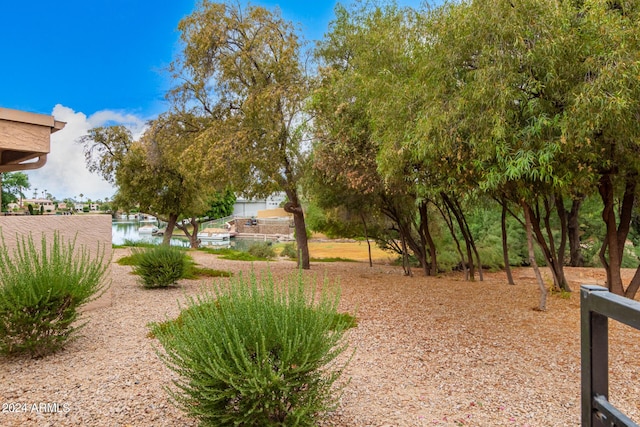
104 149
364 43
242 70
221 205
496 88
12 185
161 175
602 123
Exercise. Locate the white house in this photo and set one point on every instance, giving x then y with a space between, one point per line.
47 204
250 207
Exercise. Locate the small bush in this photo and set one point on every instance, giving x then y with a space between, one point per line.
196 272
255 353
160 266
262 250
41 291
289 250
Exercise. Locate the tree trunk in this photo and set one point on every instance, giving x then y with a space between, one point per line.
293 207
408 240
573 230
562 215
616 235
542 304
428 239
557 270
505 247
193 236
611 263
406 262
366 235
446 215
466 234
632 289
171 223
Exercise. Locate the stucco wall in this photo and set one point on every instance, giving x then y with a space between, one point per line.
90 231
264 226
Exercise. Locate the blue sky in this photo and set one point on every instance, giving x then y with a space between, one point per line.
93 62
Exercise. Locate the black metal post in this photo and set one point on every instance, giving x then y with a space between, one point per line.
594 344
597 305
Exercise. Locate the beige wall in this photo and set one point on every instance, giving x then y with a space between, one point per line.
90 231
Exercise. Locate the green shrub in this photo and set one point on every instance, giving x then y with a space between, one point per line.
160 266
289 250
262 250
41 291
256 353
128 243
232 254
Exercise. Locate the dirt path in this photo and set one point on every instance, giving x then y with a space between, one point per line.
427 352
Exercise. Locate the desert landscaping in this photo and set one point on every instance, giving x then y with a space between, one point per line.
436 351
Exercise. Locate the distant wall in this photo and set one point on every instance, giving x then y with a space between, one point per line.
89 231
282 226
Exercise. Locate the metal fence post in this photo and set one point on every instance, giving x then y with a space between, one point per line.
594 349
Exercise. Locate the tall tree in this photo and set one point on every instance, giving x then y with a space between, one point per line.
361 52
104 149
163 176
12 186
241 68
602 123
497 85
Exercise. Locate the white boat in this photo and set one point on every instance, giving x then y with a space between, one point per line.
148 229
213 236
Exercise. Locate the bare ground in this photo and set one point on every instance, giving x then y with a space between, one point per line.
427 352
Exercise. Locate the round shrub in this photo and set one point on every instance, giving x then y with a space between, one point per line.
160 266
41 291
262 250
256 353
289 251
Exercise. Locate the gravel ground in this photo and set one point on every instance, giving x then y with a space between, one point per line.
427 352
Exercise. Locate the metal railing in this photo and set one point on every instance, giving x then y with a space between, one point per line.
597 305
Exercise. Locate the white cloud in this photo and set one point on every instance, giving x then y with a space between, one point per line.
65 174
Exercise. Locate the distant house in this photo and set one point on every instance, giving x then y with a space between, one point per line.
94 206
47 204
250 207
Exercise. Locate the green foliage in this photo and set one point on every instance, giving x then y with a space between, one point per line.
133 259
41 289
191 271
13 184
195 272
160 266
289 250
256 353
232 254
262 250
135 244
221 205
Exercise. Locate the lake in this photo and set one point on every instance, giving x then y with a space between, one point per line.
127 230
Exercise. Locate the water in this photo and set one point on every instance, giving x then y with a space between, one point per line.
127 230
